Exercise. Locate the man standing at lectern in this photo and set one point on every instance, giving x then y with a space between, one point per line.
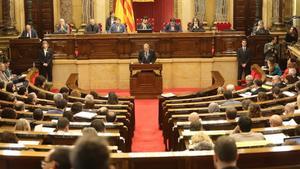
147 56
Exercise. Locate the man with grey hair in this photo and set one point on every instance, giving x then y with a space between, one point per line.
230 87
58 97
249 80
19 106
275 121
289 109
147 56
213 107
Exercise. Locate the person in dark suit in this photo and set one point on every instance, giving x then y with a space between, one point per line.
29 32
45 56
92 27
117 27
147 56
62 27
257 87
145 25
110 20
172 26
195 26
244 56
226 154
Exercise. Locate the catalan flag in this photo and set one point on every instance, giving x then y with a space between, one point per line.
119 10
129 15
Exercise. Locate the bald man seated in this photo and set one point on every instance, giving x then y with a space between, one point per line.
275 121
147 55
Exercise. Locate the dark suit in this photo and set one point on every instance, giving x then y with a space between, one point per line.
46 71
147 60
260 89
141 27
92 28
177 28
32 34
244 57
108 23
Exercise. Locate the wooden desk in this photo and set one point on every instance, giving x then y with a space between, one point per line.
23 53
145 80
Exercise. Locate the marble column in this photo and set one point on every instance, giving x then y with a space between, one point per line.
66 10
8 7
258 13
277 17
28 11
200 9
87 10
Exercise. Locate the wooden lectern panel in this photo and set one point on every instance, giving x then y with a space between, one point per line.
145 80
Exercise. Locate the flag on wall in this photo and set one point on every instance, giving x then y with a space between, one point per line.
119 10
129 15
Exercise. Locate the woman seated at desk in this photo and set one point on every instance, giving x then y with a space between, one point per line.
195 26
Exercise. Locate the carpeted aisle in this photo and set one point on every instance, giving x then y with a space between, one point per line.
147 136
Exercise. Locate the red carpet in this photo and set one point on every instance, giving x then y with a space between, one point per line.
147 136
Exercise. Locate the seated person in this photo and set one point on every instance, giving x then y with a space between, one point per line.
3 56
275 121
102 111
145 25
201 141
117 27
110 20
111 117
62 27
254 110
257 87
195 26
89 132
3 76
22 91
92 27
291 63
8 71
194 117
196 125
213 107
262 96
260 29
99 125
19 106
256 72
69 115
246 103
231 113
112 98
276 81
22 125
230 87
249 80
291 36
289 109
8 113
274 68
228 99
62 125
243 132
64 90
173 26
8 137
147 56
60 107
272 49
40 81
291 77
57 158
10 87
276 93
297 87
31 99
89 104
29 32
38 115
76 107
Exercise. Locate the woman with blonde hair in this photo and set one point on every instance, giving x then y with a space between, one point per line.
22 125
201 141
256 72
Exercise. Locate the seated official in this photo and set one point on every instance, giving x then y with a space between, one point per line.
62 27
147 56
45 57
272 49
3 76
92 27
274 68
110 21
145 25
291 37
257 87
173 26
195 26
260 29
117 27
29 32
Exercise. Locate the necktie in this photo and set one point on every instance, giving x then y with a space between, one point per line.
146 55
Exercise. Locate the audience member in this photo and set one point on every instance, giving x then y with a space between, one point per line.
76 107
231 113
22 125
262 96
193 117
92 27
89 104
259 29
297 87
102 111
230 87
254 110
62 125
228 99
89 132
22 91
246 103
298 104
3 76
243 131
272 49
291 36
40 81
291 63
64 90
60 107
213 107
10 87
19 106
275 121
98 125
94 94
257 87
195 26
276 81
2 84
29 32
112 98
226 154
75 93
201 141
276 93
274 68
58 158
196 125
38 115
289 109
249 80
8 137
68 115
111 117
90 153
8 113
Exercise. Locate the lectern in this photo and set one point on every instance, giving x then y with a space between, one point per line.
145 80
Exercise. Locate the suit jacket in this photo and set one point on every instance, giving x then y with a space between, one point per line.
243 56
33 34
108 23
3 77
260 89
114 28
191 28
151 57
45 59
62 30
148 26
177 28
92 28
